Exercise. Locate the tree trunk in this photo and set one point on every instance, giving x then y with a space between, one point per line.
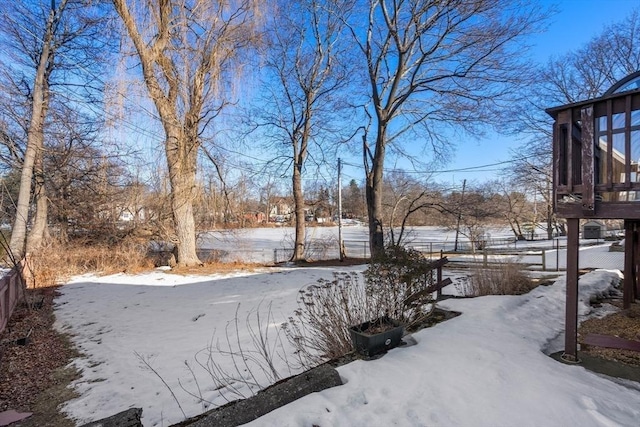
298 198
182 162
39 231
374 197
19 230
35 139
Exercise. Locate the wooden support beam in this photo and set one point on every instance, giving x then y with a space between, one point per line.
588 170
571 304
629 264
636 260
439 279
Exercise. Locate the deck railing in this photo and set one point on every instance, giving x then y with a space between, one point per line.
11 291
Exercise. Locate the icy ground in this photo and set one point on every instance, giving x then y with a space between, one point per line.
488 367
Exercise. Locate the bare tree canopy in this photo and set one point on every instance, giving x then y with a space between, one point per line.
188 52
432 66
46 41
584 73
304 72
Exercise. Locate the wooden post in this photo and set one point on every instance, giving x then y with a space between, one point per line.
629 256
544 260
636 260
439 279
571 306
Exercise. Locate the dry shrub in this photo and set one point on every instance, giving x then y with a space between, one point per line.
320 248
58 261
396 285
507 278
400 280
319 329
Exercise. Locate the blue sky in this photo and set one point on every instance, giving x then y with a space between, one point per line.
576 22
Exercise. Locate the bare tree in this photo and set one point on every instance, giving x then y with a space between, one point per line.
44 38
268 193
353 204
470 213
187 52
515 209
584 73
432 66
303 60
405 198
84 183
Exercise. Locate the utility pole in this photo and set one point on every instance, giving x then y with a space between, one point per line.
340 243
455 245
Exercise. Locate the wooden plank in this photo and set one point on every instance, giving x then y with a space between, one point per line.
555 158
439 279
431 289
569 152
629 248
571 302
588 141
609 145
438 263
610 341
636 259
627 142
604 210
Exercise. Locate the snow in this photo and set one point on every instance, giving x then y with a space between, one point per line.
487 367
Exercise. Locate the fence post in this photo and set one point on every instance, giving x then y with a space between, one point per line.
439 278
275 255
484 258
544 260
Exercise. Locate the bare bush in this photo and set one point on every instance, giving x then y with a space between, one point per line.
237 369
508 278
319 329
397 284
320 248
401 281
240 370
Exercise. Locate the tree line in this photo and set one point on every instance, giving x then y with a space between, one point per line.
155 108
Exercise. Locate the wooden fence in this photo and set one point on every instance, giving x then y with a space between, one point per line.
11 291
531 259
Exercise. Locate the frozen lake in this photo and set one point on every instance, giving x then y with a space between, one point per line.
270 245
259 244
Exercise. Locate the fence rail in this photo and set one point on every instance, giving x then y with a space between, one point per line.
11 291
495 253
530 259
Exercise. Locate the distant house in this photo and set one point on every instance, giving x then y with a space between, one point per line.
280 211
255 217
129 214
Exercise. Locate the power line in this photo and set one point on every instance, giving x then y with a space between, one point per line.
479 168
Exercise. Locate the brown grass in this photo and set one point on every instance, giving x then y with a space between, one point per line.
508 278
216 267
57 262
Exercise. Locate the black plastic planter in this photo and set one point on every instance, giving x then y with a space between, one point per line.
376 336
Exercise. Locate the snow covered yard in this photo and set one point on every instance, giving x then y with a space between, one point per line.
487 367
